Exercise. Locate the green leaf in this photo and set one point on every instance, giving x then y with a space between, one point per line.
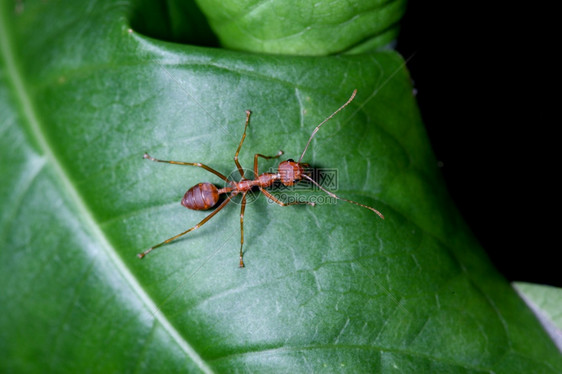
304 27
546 303
326 288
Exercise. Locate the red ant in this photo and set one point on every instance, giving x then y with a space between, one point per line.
204 196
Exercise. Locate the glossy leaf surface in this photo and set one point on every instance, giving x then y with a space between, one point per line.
329 288
546 303
306 27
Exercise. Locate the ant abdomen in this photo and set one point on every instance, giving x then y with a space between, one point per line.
202 196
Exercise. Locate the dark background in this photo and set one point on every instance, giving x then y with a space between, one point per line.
483 81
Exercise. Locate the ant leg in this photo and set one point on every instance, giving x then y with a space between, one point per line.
266 157
240 170
223 204
242 228
198 164
341 198
279 202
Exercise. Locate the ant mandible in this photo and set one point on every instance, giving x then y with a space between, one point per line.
204 196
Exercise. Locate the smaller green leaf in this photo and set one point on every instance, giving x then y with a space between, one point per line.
546 303
304 27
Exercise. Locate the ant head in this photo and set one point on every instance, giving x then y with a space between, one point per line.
291 172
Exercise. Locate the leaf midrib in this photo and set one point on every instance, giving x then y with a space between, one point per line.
29 114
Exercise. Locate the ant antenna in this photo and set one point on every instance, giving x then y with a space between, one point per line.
341 198
326 120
